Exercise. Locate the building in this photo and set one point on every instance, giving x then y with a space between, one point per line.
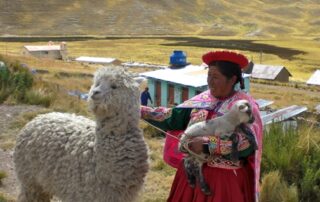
168 87
47 51
98 60
315 78
269 72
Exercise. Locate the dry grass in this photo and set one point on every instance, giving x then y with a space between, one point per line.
201 17
5 198
3 175
273 189
157 51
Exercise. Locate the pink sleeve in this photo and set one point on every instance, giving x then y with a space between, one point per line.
156 114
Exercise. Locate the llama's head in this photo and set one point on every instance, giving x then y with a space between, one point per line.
243 110
112 92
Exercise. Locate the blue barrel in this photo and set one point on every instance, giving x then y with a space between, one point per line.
178 58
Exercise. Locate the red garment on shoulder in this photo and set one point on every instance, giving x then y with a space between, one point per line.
226 186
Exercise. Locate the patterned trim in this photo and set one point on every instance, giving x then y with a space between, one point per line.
212 144
197 115
156 114
219 162
224 147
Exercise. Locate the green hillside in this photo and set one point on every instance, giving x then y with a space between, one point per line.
243 18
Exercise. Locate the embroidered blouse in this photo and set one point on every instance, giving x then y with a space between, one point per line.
203 107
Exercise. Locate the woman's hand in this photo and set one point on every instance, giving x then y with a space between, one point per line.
196 144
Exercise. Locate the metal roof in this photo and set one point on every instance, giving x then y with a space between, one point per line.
264 103
191 75
43 48
138 64
282 114
315 78
267 71
95 60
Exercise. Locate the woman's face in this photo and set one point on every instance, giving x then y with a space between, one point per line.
219 85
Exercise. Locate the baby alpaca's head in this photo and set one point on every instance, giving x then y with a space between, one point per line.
243 110
113 90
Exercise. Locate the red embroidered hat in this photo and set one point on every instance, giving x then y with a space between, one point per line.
225 55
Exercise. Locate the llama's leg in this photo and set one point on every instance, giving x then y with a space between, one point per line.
33 194
189 169
203 185
249 135
234 151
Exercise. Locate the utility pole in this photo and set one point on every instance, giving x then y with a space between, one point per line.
6 10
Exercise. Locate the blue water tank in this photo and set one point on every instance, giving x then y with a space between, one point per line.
178 59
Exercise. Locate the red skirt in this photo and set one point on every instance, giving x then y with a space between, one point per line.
226 186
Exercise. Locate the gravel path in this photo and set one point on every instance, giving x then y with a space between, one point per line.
8 114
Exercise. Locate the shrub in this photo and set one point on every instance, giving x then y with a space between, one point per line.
15 80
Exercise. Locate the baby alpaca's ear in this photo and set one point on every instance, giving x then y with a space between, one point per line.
243 108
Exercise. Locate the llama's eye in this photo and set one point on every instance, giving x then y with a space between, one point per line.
241 107
113 86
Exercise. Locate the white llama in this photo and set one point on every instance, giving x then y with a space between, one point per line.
77 159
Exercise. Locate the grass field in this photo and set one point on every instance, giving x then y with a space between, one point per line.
296 54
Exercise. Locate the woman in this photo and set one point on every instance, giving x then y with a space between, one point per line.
228 181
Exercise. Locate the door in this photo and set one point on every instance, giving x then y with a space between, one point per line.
158 93
170 95
185 94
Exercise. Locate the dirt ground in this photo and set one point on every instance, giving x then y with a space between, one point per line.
8 114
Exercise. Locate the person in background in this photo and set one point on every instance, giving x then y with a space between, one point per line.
228 181
145 96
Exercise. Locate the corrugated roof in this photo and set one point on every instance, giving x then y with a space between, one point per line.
43 48
315 78
266 71
191 75
138 64
283 114
264 103
95 59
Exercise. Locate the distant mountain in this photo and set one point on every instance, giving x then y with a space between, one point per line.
266 18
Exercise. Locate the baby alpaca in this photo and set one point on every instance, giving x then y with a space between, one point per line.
79 160
239 114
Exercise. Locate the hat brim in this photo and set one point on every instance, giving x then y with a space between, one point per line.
229 56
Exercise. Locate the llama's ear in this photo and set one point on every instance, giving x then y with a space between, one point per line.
139 79
243 108
129 83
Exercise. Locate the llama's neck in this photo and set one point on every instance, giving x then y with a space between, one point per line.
111 133
110 125
118 124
